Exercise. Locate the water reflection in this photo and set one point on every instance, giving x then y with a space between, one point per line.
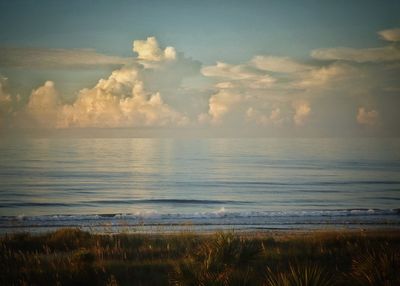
128 175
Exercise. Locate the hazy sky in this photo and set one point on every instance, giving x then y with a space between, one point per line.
304 68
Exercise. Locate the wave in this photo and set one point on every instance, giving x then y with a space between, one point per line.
151 220
222 212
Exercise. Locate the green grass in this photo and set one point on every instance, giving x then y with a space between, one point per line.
74 257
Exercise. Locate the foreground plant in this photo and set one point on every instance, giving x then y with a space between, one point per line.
300 275
377 267
74 257
224 260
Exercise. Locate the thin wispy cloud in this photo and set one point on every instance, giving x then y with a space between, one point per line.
57 58
383 54
391 35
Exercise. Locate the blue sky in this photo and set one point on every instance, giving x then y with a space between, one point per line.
205 30
39 39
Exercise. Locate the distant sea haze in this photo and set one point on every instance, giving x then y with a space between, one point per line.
145 183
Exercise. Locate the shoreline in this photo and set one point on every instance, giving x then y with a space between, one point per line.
247 234
207 222
196 229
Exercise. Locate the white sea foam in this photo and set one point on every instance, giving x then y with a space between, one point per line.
221 217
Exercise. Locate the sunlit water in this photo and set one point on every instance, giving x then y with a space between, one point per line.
139 184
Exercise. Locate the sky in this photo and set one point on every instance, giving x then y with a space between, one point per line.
269 68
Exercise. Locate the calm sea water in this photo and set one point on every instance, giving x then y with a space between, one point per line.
140 183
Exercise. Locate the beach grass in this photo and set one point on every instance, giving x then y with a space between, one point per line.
75 257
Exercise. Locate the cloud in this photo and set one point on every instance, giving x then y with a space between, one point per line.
391 35
261 118
121 100
5 102
278 64
382 54
302 112
5 98
149 50
267 100
225 85
220 104
235 72
107 105
162 87
244 75
57 58
367 55
288 74
367 117
104 105
43 105
322 76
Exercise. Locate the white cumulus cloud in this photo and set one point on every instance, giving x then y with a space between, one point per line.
219 105
101 106
121 100
43 105
150 50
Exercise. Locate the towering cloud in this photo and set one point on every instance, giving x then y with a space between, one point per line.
149 50
121 100
43 105
221 103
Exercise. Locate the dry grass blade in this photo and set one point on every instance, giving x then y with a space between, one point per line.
300 275
377 267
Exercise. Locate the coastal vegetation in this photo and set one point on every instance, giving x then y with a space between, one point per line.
75 257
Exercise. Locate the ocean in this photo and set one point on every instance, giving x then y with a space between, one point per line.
160 184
